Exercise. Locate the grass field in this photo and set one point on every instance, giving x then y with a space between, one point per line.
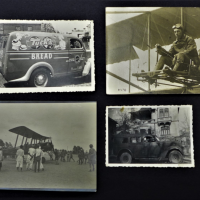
66 175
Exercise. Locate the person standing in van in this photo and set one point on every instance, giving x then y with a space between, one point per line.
1 157
20 158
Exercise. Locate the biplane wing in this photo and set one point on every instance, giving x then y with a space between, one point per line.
133 31
28 133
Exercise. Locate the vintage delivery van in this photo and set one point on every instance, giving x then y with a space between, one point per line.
36 57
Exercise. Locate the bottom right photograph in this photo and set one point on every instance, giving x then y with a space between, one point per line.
149 136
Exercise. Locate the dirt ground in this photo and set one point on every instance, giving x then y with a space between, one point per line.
66 175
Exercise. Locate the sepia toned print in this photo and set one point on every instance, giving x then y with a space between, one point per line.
45 55
149 136
152 50
48 146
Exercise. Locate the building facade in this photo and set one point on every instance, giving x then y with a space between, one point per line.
163 121
8 28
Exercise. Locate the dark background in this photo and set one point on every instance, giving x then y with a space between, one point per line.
112 183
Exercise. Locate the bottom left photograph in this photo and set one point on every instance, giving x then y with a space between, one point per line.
48 146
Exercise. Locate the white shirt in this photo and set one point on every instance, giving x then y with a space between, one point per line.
31 151
38 152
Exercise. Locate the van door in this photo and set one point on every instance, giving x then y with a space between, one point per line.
76 56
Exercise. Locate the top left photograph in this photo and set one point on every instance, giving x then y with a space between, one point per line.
46 56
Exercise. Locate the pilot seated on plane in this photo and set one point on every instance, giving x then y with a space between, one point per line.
180 53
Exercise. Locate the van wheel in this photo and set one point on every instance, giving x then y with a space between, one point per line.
125 157
39 78
175 157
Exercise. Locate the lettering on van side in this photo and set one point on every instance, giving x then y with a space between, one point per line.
37 56
77 59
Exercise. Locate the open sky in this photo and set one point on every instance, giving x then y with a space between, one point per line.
62 26
115 86
68 124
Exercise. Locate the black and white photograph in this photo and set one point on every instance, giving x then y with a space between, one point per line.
152 50
149 136
48 146
46 56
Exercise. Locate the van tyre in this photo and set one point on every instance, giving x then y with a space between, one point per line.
175 157
40 78
125 157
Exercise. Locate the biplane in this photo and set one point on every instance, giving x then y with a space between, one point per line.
146 30
36 139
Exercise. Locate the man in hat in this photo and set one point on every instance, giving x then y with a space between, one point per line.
180 53
1 157
20 158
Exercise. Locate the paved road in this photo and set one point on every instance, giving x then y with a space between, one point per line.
56 82
65 175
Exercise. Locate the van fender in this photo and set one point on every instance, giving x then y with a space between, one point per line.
165 154
124 150
87 68
26 77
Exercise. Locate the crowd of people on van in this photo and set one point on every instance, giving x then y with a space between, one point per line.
35 155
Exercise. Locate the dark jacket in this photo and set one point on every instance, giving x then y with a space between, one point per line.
186 44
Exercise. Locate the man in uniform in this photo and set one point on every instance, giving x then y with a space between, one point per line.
180 53
20 158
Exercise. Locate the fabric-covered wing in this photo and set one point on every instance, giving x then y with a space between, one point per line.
121 54
133 31
26 132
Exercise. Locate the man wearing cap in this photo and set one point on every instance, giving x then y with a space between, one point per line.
180 53
20 158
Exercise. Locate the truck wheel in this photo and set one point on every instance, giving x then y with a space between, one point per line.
43 160
40 78
125 157
175 157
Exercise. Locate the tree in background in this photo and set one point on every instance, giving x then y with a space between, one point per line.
48 27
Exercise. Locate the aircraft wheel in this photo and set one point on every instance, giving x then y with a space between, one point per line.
175 157
125 157
40 78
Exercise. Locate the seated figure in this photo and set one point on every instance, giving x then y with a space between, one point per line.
180 53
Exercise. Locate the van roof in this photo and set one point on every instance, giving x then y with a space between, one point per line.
34 33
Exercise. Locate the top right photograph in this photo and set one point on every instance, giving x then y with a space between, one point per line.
152 50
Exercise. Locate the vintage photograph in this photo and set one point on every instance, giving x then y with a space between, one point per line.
153 50
149 136
46 56
48 146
